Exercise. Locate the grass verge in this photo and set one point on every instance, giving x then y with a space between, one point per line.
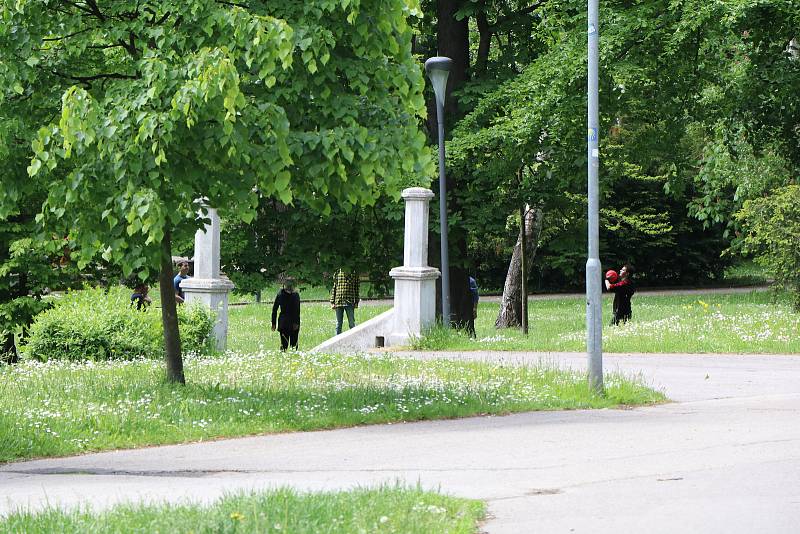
386 509
61 408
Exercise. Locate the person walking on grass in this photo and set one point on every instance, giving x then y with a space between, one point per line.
623 291
288 301
344 297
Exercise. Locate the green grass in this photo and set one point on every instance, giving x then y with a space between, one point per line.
387 509
249 326
747 323
61 408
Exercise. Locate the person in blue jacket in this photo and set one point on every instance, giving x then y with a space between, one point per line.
183 274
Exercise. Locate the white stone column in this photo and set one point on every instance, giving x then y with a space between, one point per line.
207 285
414 282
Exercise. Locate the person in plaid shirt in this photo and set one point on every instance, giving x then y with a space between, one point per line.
344 297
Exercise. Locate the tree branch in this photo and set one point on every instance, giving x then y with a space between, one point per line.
234 4
89 79
524 11
50 39
95 10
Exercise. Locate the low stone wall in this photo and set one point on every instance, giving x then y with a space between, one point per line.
361 337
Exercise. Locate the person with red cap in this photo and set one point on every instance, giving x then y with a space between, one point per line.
623 291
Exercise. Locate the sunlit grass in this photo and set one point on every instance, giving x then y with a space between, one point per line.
60 408
386 509
249 327
754 322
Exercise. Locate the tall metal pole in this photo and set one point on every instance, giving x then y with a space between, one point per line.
523 212
594 319
438 69
443 218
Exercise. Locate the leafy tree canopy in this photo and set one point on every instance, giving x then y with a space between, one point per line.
165 103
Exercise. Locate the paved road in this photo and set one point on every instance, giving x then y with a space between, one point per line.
725 458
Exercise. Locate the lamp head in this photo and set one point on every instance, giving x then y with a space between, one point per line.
438 69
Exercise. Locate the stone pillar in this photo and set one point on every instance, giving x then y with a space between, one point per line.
207 285
414 282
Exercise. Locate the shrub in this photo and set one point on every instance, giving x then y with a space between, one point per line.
93 324
772 225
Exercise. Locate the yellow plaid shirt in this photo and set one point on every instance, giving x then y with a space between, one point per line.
345 289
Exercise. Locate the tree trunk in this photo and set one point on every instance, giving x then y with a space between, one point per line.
524 262
169 313
511 304
484 41
452 40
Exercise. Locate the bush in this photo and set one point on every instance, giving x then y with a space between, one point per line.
93 324
772 225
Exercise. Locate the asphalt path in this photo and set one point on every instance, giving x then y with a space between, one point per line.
724 457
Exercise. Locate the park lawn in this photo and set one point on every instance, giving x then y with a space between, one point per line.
249 327
386 509
60 408
757 322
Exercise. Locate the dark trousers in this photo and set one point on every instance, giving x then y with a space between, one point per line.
289 337
621 317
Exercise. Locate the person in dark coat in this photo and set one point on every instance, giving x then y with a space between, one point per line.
288 323
623 291
473 291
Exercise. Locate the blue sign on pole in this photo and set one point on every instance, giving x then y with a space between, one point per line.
591 135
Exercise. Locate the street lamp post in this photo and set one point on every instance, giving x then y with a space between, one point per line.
438 68
594 321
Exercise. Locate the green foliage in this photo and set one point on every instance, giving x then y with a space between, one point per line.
95 324
525 142
732 172
27 272
164 105
772 234
296 241
138 115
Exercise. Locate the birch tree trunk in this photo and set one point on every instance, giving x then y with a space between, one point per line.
511 304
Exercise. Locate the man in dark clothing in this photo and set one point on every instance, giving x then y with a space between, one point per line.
288 323
473 290
623 291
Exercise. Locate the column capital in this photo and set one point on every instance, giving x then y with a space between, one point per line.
417 193
414 273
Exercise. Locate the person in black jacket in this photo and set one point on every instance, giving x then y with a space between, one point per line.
623 291
288 323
